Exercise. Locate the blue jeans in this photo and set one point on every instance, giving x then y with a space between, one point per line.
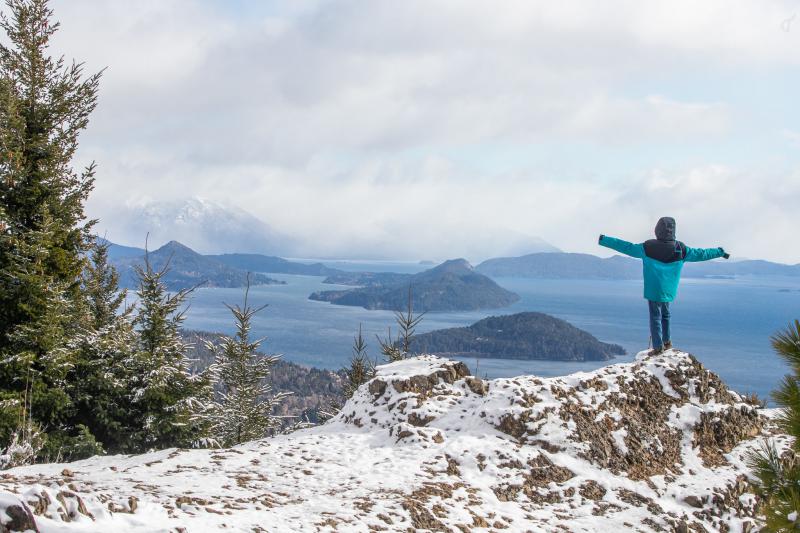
659 323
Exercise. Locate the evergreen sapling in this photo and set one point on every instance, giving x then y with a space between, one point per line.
243 410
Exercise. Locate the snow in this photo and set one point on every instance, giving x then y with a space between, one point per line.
390 460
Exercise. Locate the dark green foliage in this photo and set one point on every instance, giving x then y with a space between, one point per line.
779 475
102 375
168 401
407 323
361 368
396 350
519 336
390 348
44 104
244 407
312 389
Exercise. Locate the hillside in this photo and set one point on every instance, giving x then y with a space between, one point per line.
528 336
586 266
452 286
187 268
273 265
653 445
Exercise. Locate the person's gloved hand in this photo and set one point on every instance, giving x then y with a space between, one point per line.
725 254
600 239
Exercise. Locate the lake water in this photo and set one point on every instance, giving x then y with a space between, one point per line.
726 323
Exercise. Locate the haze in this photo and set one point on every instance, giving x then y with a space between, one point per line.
433 129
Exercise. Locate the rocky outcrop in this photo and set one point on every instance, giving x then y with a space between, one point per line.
653 445
15 515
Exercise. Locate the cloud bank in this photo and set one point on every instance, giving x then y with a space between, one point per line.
434 129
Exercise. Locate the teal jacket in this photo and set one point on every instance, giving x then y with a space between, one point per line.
660 279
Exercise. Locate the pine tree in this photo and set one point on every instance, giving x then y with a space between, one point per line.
168 401
44 105
360 371
244 409
103 374
33 375
397 350
390 348
779 475
361 368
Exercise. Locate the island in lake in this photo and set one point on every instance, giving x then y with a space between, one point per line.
452 286
528 336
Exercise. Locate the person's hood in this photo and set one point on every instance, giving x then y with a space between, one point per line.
665 229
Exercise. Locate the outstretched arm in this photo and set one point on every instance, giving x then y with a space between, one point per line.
623 247
693 255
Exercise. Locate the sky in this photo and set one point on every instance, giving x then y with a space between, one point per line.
428 129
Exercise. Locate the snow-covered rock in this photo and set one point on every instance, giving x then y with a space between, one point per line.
653 445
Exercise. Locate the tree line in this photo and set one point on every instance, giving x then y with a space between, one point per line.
81 371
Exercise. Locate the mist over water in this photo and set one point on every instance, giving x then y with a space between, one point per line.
726 323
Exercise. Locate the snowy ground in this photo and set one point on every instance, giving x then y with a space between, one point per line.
652 445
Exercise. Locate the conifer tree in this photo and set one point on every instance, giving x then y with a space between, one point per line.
361 368
102 374
360 371
33 374
244 408
397 350
779 474
44 105
168 401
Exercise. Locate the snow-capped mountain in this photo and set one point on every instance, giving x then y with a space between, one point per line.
203 225
652 445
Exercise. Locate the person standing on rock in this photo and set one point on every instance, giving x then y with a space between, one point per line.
663 259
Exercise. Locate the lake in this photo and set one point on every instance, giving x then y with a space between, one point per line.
725 323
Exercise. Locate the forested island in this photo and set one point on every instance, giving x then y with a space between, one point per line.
528 336
452 286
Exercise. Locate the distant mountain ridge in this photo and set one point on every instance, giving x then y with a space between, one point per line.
204 225
187 269
525 336
274 265
586 266
451 286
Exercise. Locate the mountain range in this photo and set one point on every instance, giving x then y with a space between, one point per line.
187 269
586 266
451 286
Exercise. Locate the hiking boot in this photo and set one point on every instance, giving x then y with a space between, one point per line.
668 345
655 351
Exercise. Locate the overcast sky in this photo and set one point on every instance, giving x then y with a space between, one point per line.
430 129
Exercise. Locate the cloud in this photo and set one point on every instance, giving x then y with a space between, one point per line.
357 125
